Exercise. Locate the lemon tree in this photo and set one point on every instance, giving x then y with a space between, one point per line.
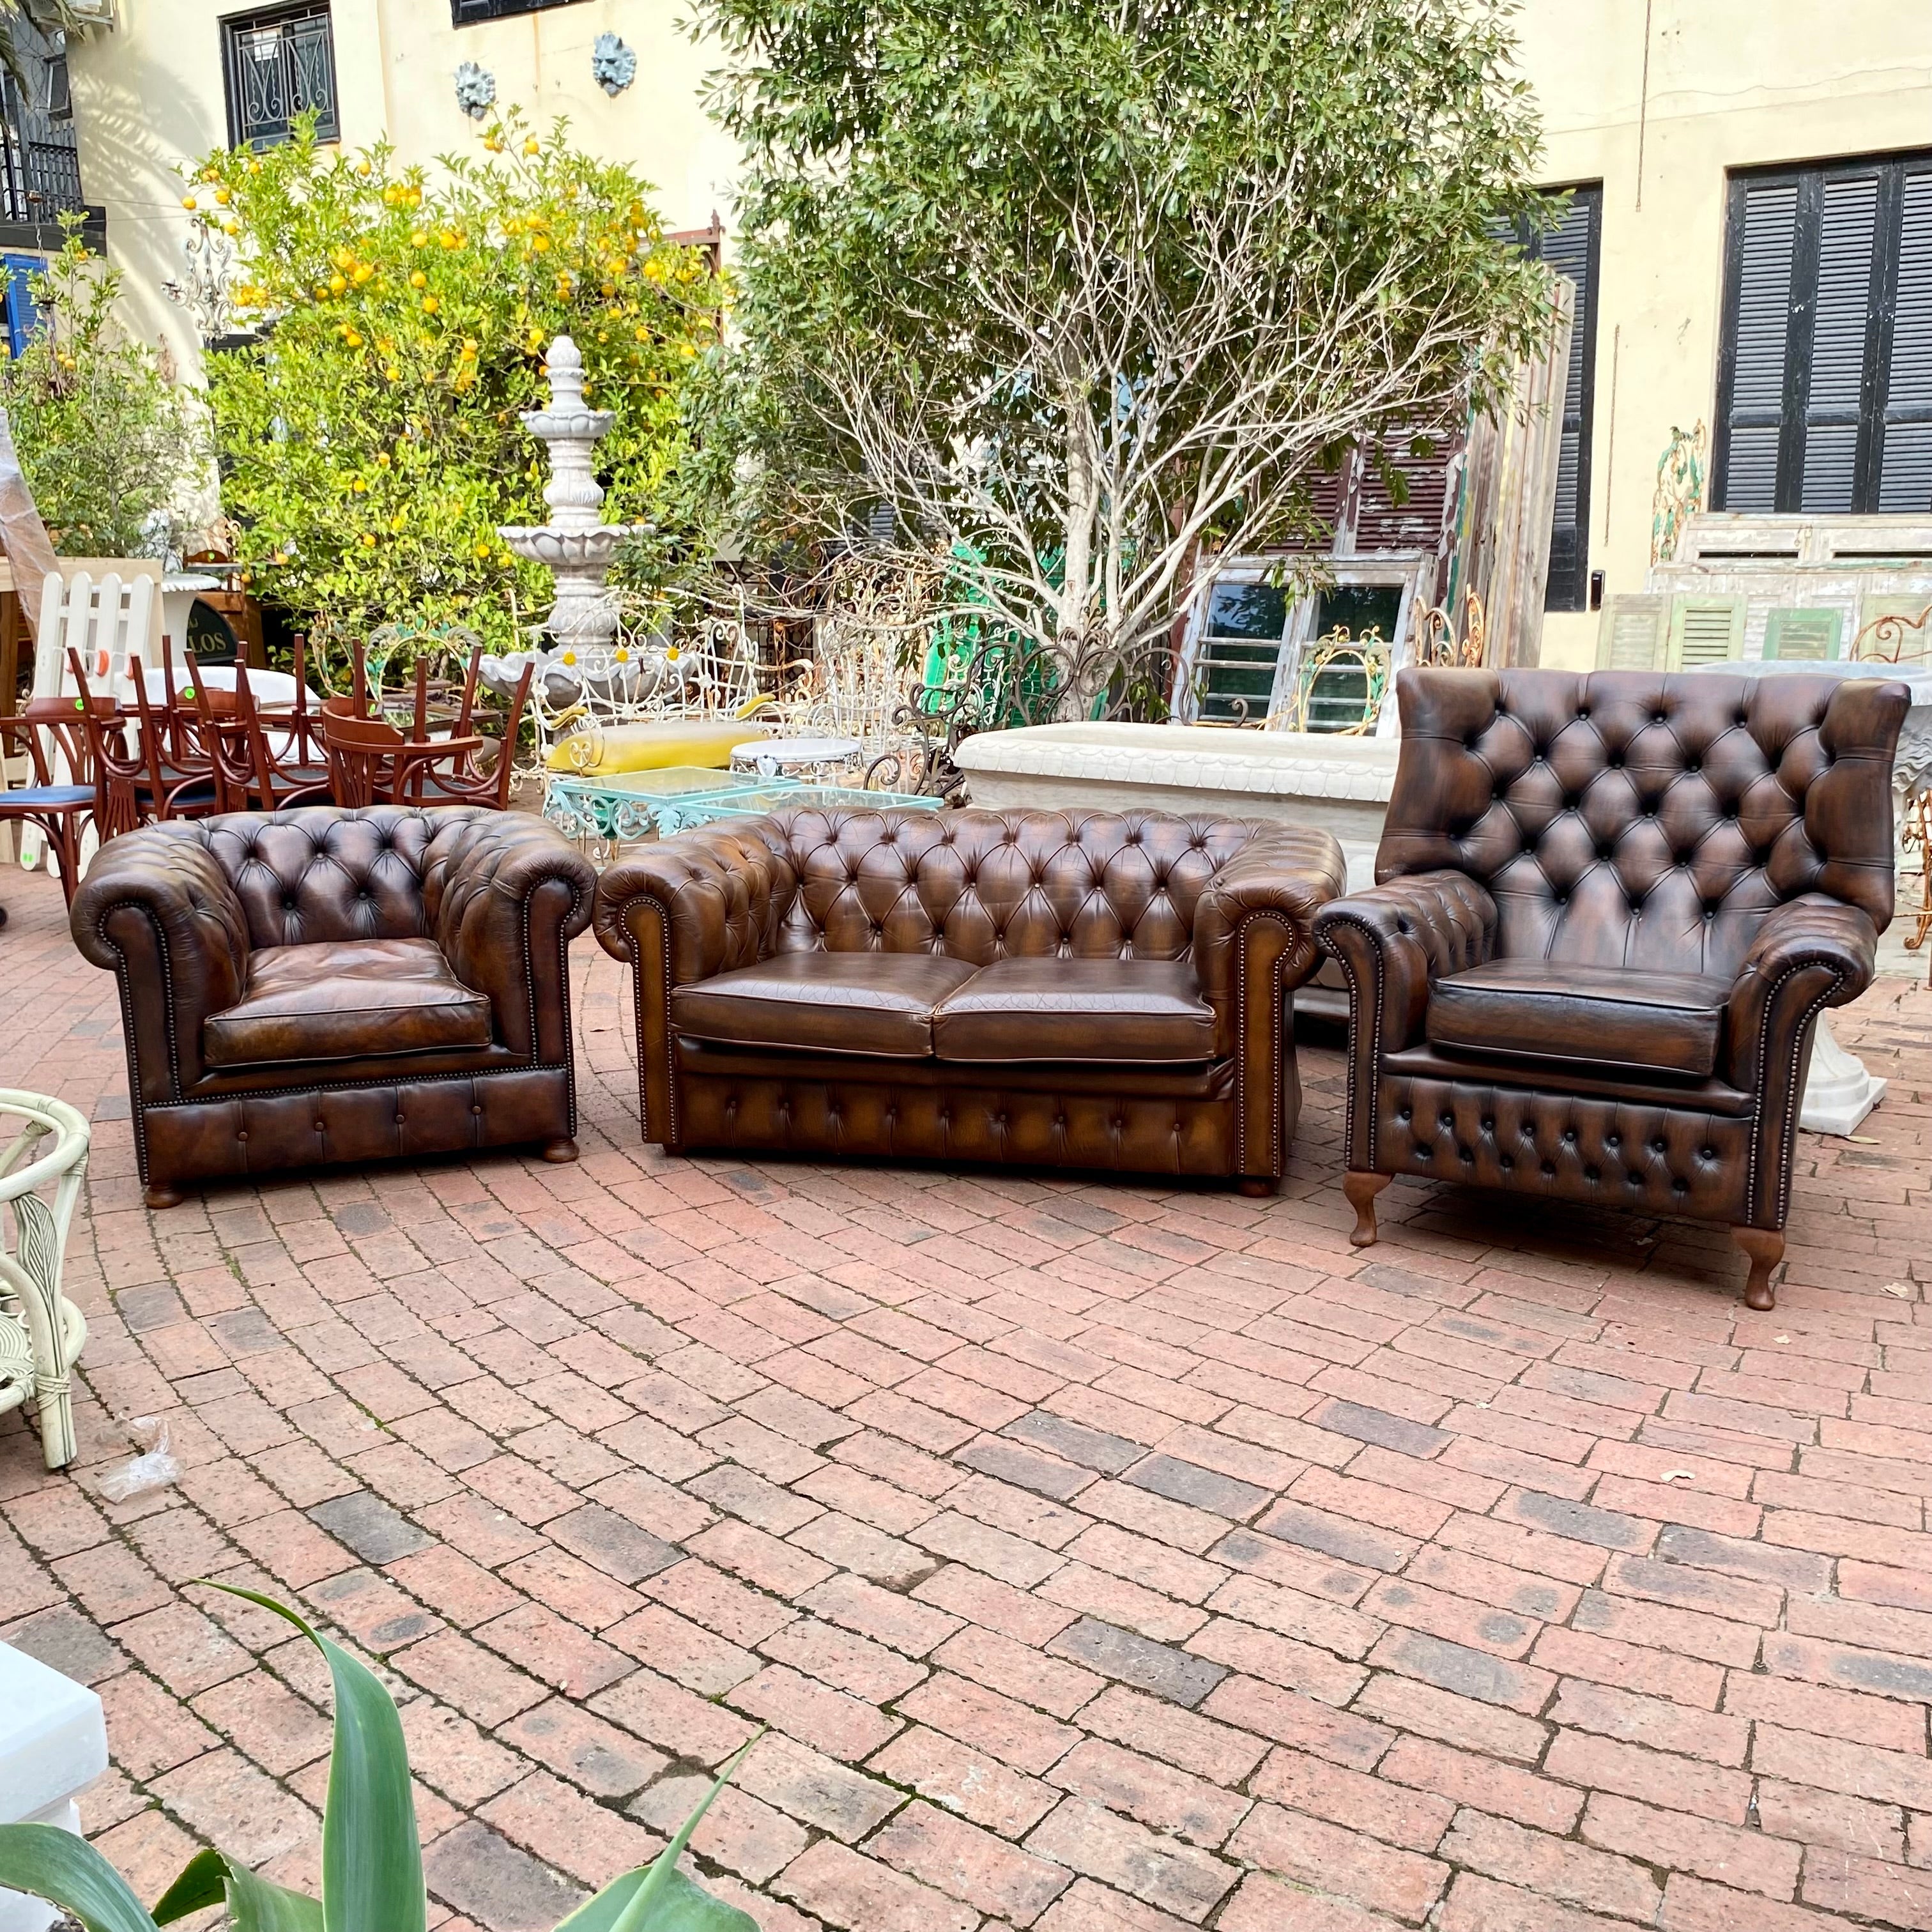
395 319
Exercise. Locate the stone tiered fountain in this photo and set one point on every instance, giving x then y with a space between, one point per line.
575 545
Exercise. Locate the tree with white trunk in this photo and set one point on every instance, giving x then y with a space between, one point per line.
1083 293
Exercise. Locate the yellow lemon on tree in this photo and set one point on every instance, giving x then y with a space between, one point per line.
532 145
363 271
336 285
368 540
417 280
187 201
222 196
362 167
430 304
419 238
353 339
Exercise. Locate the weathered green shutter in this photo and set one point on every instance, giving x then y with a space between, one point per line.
1706 630
1812 637
1633 631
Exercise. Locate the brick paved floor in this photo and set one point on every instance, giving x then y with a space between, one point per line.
1104 1558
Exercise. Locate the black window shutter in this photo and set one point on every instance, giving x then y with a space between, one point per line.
1825 369
1904 481
1572 249
1761 245
1840 318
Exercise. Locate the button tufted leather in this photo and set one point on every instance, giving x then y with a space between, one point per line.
1692 868
222 919
1226 904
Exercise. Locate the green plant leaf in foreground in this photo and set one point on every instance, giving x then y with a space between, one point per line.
56 1865
372 1877
254 1905
659 1896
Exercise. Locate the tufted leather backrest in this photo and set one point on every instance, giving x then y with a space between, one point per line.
1629 818
982 886
320 874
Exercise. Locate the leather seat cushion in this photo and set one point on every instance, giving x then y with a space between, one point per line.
1065 1010
871 1002
1548 1009
369 998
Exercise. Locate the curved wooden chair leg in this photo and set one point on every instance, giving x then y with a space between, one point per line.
1361 1189
559 1149
1764 1249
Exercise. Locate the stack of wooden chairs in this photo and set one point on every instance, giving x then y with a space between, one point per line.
99 768
374 762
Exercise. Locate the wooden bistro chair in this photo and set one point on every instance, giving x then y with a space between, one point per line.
263 761
59 805
180 780
374 762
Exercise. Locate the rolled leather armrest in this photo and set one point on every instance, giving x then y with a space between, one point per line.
1254 942
506 893
157 910
1287 874
1810 952
1395 941
701 902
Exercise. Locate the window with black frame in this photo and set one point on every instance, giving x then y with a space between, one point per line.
466 13
1573 248
1825 363
280 63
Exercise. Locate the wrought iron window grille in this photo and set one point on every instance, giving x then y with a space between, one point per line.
279 64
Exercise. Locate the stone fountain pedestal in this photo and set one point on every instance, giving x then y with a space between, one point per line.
576 545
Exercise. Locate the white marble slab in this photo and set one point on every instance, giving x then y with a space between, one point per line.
53 1745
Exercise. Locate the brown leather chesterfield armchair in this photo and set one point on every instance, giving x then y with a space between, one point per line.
1079 990
324 985
1609 910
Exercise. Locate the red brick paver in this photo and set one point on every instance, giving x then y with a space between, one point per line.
1103 1558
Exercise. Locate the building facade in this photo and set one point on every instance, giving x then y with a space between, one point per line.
1754 183
1749 227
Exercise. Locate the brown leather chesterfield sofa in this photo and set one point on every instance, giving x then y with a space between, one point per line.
1609 910
1070 990
324 985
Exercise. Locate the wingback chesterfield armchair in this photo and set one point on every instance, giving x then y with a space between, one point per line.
1079 989
324 985
1609 910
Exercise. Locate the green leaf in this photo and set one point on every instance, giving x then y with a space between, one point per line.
54 1864
254 1905
372 1879
658 1897
679 1905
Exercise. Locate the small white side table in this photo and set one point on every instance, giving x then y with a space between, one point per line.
53 1745
793 757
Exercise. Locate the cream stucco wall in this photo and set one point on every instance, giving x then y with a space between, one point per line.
1687 88
1730 83
149 95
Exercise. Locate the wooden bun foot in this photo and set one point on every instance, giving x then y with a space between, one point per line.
1361 1189
1764 1249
